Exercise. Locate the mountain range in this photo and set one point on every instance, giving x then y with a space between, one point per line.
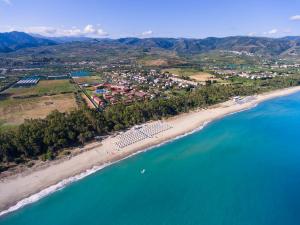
13 41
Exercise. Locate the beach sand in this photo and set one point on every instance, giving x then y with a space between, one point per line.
20 186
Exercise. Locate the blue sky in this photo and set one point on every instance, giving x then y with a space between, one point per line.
152 18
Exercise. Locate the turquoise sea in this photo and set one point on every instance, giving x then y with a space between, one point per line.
241 170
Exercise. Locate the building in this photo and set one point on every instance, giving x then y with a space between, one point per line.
98 101
27 82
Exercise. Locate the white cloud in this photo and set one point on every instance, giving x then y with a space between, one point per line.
91 30
8 2
252 34
87 31
147 33
271 32
296 17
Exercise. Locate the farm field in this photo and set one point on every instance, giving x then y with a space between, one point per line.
203 76
89 79
155 62
44 87
18 104
192 73
14 111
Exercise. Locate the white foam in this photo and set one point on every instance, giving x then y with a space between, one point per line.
47 191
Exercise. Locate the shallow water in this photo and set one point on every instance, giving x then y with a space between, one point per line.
243 169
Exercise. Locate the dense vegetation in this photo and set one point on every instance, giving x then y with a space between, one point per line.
173 51
45 138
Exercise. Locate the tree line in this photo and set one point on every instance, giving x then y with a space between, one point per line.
45 138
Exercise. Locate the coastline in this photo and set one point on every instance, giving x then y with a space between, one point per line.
44 181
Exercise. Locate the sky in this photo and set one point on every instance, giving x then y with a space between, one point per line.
152 18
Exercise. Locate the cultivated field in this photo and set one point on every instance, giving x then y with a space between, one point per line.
192 73
44 87
18 104
15 111
203 76
155 62
88 79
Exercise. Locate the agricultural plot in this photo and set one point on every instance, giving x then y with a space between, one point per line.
44 87
192 73
18 104
89 80
203 76
155 62
15 111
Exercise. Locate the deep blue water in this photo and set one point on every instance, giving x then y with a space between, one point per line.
241 170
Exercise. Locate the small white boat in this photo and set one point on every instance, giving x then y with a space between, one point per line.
143 171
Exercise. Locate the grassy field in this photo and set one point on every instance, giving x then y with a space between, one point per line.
160 58
203 76
44 87
18 104
192 73
90 79
14 111
154 62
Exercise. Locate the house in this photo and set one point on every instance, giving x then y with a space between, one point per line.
98 101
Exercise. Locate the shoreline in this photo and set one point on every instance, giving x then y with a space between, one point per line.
19 190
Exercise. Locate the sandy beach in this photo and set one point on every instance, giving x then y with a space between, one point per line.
17 187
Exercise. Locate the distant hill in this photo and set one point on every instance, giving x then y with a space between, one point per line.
273 47
61 40
259 45
185 46
12 41
70 39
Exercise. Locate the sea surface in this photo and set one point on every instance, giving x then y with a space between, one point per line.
241 170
